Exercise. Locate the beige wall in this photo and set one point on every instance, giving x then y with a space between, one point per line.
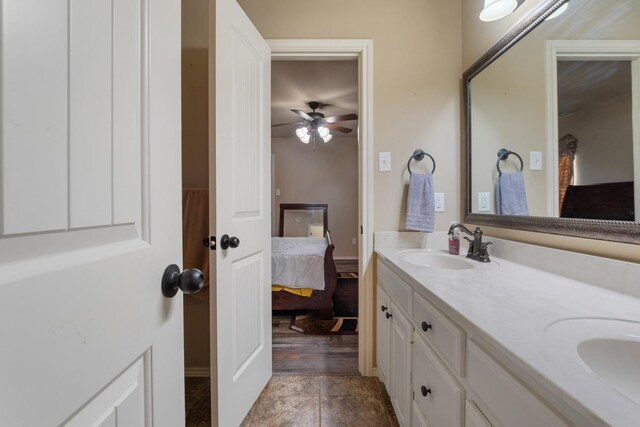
416 83
477 37
328 175
605 141
195 165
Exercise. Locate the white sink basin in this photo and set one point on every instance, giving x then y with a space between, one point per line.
609 348
429 259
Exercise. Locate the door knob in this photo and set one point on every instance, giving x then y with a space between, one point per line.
424 391
229 242
388 315
383 308
189 281
426 326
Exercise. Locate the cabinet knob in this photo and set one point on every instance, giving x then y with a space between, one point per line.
388 315
383 308
426 326
425 390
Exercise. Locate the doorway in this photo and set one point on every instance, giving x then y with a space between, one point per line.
314 146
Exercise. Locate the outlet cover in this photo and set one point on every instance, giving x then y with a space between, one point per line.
277 191
384 161
354 240
438 200
484 202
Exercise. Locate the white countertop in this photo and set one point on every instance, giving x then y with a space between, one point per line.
513 305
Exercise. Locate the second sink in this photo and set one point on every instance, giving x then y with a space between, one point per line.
429 259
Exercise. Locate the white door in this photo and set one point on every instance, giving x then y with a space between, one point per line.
241 308
90 213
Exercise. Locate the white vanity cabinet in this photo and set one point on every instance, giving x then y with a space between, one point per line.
435 371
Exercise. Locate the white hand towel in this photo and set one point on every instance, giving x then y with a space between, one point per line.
511 198
421 212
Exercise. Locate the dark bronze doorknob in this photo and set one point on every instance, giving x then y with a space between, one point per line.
424 391
227 242
189 281
388 315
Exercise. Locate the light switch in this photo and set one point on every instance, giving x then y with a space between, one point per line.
535 161
384 161
277 191
484 202
438 200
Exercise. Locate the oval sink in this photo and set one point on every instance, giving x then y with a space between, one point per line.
616 361
610 348
429 259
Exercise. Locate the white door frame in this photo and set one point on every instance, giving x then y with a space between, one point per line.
588 50
362 50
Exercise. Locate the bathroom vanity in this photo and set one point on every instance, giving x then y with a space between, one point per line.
463 343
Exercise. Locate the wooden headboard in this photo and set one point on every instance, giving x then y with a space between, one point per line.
610 201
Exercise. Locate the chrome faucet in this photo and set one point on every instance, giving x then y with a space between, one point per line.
477 248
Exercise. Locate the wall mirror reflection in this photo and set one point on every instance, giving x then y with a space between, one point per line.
565 99
303 220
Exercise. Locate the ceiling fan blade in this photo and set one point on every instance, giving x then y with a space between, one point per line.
342 118
338 128
286 124
303 114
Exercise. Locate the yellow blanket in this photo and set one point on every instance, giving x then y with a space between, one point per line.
302 292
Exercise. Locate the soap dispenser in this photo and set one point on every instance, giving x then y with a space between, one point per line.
454 242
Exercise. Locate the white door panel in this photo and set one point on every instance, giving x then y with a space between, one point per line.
242 150
90 210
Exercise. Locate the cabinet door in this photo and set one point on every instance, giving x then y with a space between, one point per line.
382 336
400 365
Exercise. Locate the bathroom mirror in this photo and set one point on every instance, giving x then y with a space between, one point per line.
553 123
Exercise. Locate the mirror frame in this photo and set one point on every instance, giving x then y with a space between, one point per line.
304 207
617 231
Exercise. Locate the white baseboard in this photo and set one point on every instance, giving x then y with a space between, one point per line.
375 371
196 371
348 258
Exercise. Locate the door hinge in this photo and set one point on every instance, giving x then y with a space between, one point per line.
210 242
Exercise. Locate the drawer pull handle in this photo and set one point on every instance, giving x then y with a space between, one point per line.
426 326
383 308
425 390
388 315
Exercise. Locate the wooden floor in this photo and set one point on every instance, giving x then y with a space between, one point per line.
298 354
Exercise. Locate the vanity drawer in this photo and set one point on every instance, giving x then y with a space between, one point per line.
445 337
443 404
399 291
473 416
509 401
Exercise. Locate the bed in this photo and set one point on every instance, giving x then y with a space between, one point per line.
302 258
607 201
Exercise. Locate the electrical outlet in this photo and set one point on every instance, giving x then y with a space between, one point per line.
384 161
354 241
535 160
277 191
438 201
484 202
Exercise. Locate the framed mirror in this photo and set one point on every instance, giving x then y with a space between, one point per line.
553 123
303 220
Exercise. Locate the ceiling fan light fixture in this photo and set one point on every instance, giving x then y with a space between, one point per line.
327 138
301 132
306 138
497 9
323 131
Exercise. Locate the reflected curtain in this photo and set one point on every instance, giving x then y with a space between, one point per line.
566 156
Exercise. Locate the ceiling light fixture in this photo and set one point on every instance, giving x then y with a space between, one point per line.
496 9
559 11
309 133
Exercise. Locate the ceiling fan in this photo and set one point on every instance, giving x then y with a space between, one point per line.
315 124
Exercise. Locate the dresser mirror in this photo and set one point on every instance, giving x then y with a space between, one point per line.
553 123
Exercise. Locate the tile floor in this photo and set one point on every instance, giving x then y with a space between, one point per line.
319 400
305 400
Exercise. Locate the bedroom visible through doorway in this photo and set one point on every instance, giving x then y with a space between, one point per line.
315 225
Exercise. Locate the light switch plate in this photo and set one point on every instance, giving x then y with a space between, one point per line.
535 160
438 200
354 240
384 161
484 202
277 191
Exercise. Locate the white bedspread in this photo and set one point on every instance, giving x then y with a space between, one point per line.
298 262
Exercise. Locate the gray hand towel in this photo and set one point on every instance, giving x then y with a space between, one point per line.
421 212
511 198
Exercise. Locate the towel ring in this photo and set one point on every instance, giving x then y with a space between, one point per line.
418 155
503 153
